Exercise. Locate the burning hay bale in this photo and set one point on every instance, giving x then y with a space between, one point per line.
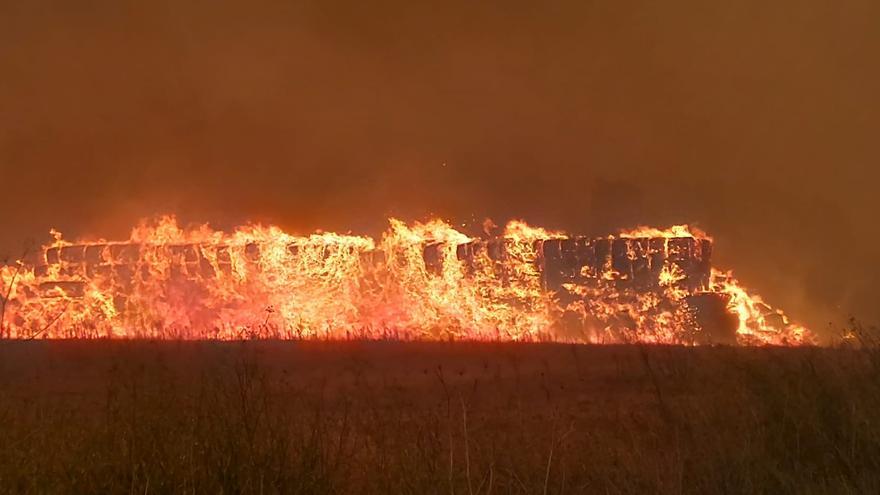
421 281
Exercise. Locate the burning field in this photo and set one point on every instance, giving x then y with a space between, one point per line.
345 321
423 281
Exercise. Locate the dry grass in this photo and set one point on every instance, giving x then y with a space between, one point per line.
384 417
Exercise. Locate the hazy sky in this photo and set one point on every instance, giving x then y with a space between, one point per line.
757 120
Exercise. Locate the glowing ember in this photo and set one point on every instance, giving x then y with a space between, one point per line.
420 281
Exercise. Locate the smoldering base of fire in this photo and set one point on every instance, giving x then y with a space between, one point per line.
419 281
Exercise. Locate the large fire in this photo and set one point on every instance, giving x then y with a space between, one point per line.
419 281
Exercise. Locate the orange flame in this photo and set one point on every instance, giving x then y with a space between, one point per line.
674 231
419 281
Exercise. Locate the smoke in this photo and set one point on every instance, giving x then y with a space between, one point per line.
755 121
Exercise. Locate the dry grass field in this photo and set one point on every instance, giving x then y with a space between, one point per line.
466 418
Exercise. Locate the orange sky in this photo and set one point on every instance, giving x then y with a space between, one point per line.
756 120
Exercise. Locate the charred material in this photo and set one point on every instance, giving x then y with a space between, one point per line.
629 263
629 266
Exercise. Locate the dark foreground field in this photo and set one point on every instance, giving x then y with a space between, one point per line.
383 417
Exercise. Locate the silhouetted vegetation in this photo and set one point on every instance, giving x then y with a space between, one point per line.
390 417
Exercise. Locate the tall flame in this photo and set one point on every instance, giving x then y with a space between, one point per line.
419 281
